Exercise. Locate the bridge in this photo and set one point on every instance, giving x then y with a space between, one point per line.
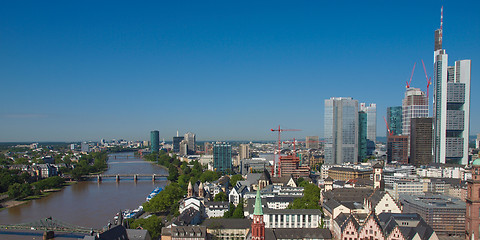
50 226
135 177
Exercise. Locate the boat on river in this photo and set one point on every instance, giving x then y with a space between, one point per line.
154 193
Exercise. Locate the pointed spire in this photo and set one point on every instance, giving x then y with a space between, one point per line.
258 205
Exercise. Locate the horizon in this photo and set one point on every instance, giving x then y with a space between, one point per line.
220 70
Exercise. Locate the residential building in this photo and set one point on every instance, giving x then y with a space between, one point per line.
362 136
244 151
222 157
421 141
394 120
191 142
155 141
216 209
292 218
451 109
444 214
347 173
184 233
227 228
371 111
397 149
341 130
312 142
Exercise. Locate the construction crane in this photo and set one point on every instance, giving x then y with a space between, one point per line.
428 79
388 128
411 76
279 130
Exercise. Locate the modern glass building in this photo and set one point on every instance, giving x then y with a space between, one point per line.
191 142
222 157
414 105
176 143
394 120
421 144
341 130
362 136
451 106
155 141
371 111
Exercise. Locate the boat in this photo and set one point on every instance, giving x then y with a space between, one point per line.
154 193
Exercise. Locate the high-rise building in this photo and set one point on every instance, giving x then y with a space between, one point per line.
421 142
472 219
312 142
451 106
341 130
244 152
477 141
207 147
155 141
176 144
222 157
183 148
397 149
371 111
414 105
394 120
85 147
192 144
362 136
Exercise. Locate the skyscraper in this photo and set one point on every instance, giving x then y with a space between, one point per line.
244 152
222 157
362 136
176 144
421 144
192 144
394 120
371 111
397 149
414 105
451 105
155 141
341 130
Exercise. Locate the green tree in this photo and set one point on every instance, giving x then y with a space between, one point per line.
231 210
172 173
310 199
238 213
220 197
209 176
19 191
152 224
234 179
166 200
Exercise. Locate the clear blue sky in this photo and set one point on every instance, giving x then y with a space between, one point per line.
225 70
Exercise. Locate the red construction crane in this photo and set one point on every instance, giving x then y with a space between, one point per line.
388 128
279 130
411 76
428 79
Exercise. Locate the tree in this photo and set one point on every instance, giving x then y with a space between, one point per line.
209 176
229 213
310 199
166 200
152 224
172 173
220 197
238 213
19 191
234 179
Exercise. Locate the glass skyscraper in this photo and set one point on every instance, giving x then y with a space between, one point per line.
154 141
341 130
394 120
222 157
362 136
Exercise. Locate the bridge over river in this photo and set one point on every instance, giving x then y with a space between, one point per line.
133 176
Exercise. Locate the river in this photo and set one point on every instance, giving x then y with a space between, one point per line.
91 204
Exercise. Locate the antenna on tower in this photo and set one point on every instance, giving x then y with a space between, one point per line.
441 18
177 133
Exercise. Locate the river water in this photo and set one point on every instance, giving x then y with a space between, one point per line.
91 204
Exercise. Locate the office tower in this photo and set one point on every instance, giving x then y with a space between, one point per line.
472 219
341 130
208 148
312 142
394 120
414 105
176 144
84 147
183 148
451 106
421 142
222 157
397 149
371 111
477 141
362 136
244 152
192 145
155 141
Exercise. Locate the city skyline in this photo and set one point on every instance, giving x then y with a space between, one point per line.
74 72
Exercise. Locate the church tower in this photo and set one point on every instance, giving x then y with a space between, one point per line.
201 191
258 226
378 182
472 218
190 190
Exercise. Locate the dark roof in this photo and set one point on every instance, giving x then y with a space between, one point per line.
184 231
348 219
227 223
331 204
216 204
117 232
265 175
348 194
187 217
388 222
377 165
292 211
138 234
328 179
376 197
298 233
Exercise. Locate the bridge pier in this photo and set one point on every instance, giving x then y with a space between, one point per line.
153 178
117 178
48 235
99 178
135 177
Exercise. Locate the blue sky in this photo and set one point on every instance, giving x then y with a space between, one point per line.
85 70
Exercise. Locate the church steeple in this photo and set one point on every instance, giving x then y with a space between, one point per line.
258 226
190 190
